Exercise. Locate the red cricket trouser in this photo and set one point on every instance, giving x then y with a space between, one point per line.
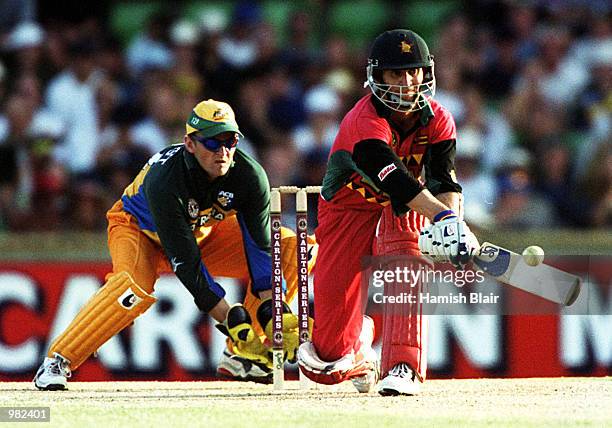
345 236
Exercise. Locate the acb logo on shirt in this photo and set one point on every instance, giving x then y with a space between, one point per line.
225 198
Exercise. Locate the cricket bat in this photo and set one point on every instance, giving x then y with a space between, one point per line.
541 280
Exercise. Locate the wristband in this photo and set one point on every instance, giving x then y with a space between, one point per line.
443 215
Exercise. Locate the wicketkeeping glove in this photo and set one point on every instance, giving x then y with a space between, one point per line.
291 339
448 239
245 342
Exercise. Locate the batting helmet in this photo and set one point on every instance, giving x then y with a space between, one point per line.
399 50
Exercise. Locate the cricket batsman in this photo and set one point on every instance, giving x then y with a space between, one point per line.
389 189
199 209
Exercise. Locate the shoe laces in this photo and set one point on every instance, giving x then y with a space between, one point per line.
59 366
402 370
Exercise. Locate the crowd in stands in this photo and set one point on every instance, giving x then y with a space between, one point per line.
528 82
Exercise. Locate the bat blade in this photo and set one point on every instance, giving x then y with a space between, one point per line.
542 280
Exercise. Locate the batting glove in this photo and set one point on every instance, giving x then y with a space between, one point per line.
448 239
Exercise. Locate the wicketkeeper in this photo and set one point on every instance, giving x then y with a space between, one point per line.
199 209
389 189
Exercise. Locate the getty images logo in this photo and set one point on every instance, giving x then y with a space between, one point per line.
128 299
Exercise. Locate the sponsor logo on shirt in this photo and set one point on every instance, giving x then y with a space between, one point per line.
386 171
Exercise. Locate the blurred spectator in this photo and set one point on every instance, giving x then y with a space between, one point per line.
163 120
487 127
107 99
519 207
71 95
532 74
50 185
25 43
278 161
112 62
560 78
286 107
119 159
500 71
189 86
479 186
252 109
313 165
14 12
522 22
33 183
454 45
150 49
537 122
43 122
17 177
268 54
596 45
338 71
554 180
238 47
595 111
298 53
449 90
87 201
322 106
2 80
596 187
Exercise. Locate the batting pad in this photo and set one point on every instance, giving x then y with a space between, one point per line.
404 333
119 302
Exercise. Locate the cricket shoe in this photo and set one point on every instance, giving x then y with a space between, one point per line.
401 380
53 373
366 383
239 368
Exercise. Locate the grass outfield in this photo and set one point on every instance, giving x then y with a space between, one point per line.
471 403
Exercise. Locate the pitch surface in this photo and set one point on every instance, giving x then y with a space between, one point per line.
473 403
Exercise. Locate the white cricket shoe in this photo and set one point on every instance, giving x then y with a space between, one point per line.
367 382
239 368
401 380
53 373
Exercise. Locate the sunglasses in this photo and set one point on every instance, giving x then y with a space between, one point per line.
214 144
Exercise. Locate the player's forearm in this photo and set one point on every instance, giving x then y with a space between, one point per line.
427 204
453 200
219 311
